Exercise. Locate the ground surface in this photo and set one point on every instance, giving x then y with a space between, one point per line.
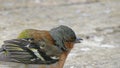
96 21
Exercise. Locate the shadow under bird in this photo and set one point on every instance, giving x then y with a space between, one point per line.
40 46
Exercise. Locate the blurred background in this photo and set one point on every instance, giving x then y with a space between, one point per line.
96 21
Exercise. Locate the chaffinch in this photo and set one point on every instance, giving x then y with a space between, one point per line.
40 46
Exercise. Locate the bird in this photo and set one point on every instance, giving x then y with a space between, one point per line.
34 46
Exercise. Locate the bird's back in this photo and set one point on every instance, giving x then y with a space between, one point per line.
37 34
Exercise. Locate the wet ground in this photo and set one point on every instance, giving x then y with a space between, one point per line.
97 22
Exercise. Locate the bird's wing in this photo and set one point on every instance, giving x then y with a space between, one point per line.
24 51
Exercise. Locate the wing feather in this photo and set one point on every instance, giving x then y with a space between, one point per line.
17 50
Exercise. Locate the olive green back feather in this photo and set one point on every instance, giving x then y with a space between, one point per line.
24 34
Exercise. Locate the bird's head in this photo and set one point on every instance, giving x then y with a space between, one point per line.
64 34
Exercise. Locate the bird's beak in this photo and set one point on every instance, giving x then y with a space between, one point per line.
78 40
